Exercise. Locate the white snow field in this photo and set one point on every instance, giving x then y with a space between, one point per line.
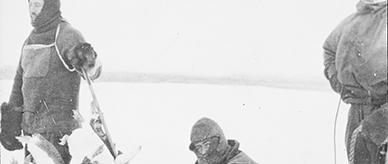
273 125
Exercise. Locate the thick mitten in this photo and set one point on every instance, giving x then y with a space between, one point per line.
84 57
11 118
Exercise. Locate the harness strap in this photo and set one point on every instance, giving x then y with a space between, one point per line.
58 53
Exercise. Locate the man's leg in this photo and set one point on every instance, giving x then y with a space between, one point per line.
382 156
365 150
353 122
373 151
63 150
26 152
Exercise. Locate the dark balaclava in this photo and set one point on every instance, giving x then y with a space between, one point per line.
49 17
45 24
206 128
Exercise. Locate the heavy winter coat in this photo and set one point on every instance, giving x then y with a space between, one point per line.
234 155
45 84
355 59
227 151
51 94
355 55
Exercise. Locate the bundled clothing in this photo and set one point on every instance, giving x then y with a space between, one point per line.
234 155
220 151
50 87
355 59
46 85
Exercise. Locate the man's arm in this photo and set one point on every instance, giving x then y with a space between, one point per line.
330 53
68 40
16 97
11 114
329 56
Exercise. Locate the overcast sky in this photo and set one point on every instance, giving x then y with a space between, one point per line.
193 37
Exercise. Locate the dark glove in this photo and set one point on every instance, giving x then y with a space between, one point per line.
11 118
84 57
375 126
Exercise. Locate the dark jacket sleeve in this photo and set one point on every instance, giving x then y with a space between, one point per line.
67 40
16 97
329 56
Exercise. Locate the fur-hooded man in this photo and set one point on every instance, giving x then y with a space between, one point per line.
355 59
211 147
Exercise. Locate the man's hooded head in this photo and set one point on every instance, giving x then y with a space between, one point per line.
372 1
50 12
371 5
207 132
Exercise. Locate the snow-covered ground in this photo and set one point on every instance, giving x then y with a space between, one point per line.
272 125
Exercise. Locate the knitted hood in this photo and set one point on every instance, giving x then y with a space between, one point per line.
370 5
206 128
49 17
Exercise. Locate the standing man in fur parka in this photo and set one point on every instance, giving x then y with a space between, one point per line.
355 59
209 144
46 86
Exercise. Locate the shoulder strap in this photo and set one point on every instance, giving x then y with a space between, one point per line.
58 52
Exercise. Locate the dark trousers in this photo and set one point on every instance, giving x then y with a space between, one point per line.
366 151
54 139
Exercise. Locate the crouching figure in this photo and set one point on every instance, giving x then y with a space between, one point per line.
211 147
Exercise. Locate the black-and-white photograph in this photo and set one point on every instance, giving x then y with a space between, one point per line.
193 81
